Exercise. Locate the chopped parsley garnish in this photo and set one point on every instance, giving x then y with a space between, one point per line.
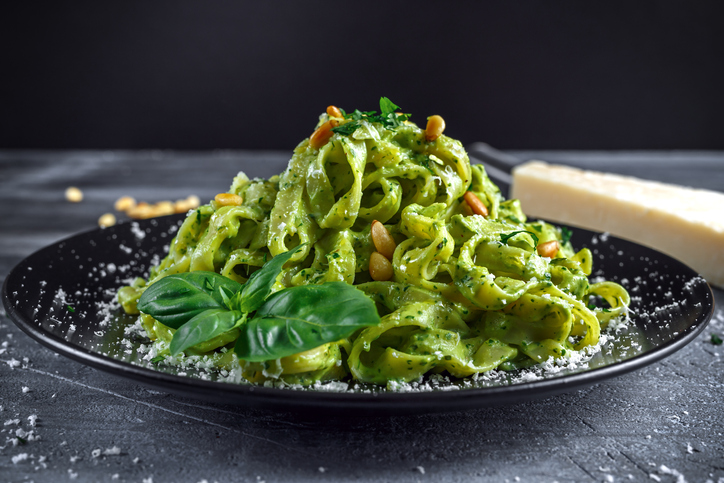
715 339
388 117
70 309
425 162
157 359
346 129
602 309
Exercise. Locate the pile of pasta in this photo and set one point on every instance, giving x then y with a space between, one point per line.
468 293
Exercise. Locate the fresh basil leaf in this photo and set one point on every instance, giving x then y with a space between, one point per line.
358 115
176 299
301 318
205 326
387 107
504 237
226 297
260 284
347 128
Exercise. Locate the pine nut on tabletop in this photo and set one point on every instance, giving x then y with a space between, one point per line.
548 249
124 203
107 220
141 211
435 127
475 204
383 241
73 194
380 267
182 206
163 208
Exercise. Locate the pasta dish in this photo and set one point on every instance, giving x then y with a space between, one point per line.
380 254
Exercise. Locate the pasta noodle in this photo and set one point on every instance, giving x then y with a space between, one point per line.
469 293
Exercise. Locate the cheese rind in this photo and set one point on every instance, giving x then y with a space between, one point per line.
685 223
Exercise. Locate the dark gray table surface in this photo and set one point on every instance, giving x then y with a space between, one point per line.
661 423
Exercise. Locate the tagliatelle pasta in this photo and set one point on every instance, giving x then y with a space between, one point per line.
468 293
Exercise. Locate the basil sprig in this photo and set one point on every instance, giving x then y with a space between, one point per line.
203 305
388 117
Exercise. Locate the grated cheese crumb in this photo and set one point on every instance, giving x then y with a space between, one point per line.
19 457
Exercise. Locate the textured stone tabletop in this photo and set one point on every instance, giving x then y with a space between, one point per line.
63 421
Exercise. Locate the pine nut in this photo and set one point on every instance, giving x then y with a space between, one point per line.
163 208
73 194
228 199
333 111
548 249
182 206
467 211
435 127
107 220
124 203
322 134
193 201
383 241
141 211
380 267
475 204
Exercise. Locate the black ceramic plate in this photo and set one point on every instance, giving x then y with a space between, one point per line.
60 297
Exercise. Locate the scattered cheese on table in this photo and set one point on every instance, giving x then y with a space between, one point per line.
685 223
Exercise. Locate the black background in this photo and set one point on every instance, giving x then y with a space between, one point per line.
235 75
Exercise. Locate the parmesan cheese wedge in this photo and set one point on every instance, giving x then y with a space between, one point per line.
685 223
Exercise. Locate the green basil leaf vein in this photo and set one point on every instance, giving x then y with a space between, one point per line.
204 327
301 318
176 299
260 284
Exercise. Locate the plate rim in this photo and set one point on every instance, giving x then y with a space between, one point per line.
389 401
